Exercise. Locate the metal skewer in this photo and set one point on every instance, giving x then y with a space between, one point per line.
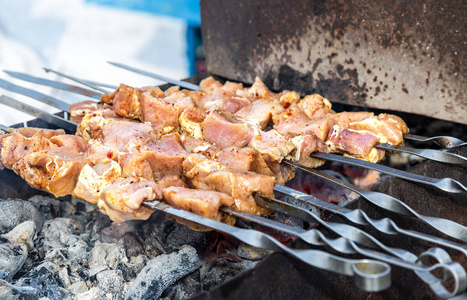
369 275
33 111
356 216
85 82
3 127
446 184
55 84
346 245
390 203
371 253
447 142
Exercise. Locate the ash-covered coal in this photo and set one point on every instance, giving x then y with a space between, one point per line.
67 249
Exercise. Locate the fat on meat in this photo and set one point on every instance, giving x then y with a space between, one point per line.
260 112
197 167
225 132
315 106
352 142
92 180
201 202
55 171
155 159
272 145
389 128
294 122
305 145
241 185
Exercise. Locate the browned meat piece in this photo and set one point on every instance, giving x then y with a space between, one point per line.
201 202
29 132
343 140
344 119
294 122
304 146
194 145
224 132
55 170
241 185
190 121
16 146
209 84
3 135
389 128
93 180
161 114
122 200
272 145
80 109
155 159
126 101
70 141
171 180
315 106
260 90
237 158
260 112
197 167
92 124
232 87
127 136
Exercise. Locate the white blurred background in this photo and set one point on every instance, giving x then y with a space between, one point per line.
78 38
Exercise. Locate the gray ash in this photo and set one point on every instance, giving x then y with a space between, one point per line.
67 249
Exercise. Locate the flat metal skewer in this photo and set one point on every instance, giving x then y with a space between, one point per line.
371 276
390 203
55 84
33 111
447 142
357 216
4 128
35 95
347 245
446 184
84 82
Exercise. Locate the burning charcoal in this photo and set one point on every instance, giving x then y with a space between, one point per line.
132 268
110 281
14 248
116 231
168 236
45 281
78 287
224 270
14 212
104 254
61 232
49 206
133 244
163 271
188 286
78 251
95 293
252 253
10 291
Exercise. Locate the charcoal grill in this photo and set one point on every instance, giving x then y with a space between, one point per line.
288 278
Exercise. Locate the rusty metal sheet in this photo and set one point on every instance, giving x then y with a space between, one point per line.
399 55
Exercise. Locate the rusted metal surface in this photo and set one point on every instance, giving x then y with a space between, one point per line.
400 55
